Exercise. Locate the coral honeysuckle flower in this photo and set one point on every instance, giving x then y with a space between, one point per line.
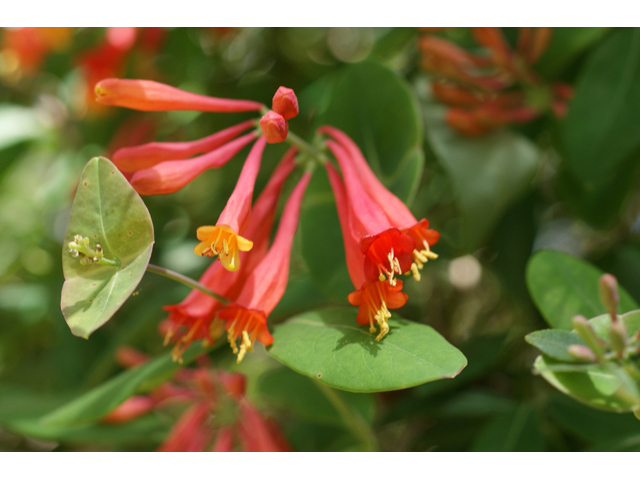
131 159
172 175
224 238
396 211
150 96
375 299
196 312
387 251
191 433
355 257
265 285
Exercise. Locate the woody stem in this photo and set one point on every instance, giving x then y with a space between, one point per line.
189 282
354 422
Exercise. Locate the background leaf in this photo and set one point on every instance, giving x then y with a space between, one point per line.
594 385
563 286
300 395
601 151
97 403
330 346
488 173
554 343
108 211
566 44
518 431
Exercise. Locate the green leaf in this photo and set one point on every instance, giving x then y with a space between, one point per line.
300 395
147 429
563 286
600 136
97 403
567 44
518 431
108 211
330 346
554 343
357 99
596 385
589 423
488 173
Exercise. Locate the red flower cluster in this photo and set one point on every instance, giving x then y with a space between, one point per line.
218 417
496 87
382 238
256 284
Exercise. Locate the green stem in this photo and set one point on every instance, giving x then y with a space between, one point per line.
354 422
302 145
189 282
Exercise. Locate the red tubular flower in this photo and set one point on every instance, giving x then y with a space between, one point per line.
130 409
374 300
190 433
285 103
196 312
274 127
257 434
150 96
387 251
355 257
224 238
265 285
131 159
397 213
171 176
376 297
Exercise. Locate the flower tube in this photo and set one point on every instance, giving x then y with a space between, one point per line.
171 176
387 251
224 238
196 312
396 211
131 159
150 96
265 285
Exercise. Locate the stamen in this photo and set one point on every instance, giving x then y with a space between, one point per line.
415 272
381 317
225 246
245 346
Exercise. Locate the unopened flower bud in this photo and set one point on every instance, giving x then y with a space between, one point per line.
585 330
609 295
618 338
582 353
285 103
274 127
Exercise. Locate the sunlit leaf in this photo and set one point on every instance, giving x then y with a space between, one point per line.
330 346
108 211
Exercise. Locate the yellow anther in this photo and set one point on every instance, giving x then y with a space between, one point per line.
415 272
381 317
225 246
245 346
